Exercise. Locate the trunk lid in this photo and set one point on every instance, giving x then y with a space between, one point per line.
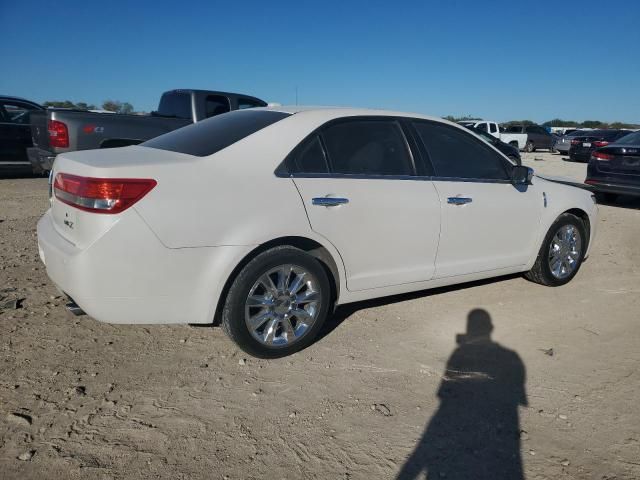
81 228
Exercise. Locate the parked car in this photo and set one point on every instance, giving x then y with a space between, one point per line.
517 140
537 137
268 218
563 144
615 168
59 130
583 145
510 151
15 133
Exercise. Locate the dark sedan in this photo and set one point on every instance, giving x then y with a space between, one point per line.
15 133
615 169
509 150
583 145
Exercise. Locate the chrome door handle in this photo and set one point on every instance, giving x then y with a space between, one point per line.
329 201
459 200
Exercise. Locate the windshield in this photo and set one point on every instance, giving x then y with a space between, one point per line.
632 138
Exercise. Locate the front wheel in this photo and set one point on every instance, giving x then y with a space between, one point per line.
561 253
277 303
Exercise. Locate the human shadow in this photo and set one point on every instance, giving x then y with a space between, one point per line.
475 434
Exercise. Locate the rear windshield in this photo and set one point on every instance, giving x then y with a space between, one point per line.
175 104
630 139
213 134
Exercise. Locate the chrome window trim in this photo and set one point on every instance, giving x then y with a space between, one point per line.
390 177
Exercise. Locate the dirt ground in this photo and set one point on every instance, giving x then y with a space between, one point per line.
379 396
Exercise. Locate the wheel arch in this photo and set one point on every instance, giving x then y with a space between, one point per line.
584 217
310 246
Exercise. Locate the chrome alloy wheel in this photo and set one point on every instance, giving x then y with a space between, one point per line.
565 251
282 305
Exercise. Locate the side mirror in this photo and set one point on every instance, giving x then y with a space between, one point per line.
521 175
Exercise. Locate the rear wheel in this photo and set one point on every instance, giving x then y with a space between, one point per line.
277 303
561 253
529 147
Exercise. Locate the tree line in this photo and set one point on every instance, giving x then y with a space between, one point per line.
556 122
109 105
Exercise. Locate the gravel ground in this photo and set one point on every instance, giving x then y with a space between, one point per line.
392 389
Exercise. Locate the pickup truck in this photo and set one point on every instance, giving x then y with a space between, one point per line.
515 139
59 130
537 136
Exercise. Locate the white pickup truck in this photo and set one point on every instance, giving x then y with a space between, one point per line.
518 140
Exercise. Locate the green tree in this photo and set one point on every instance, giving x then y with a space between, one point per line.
593 124
117 106
452 118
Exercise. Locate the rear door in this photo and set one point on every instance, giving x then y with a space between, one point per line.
359 186
487 223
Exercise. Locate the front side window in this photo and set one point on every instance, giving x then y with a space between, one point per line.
457 154
213 134
16 113
367 147
482 126
216 104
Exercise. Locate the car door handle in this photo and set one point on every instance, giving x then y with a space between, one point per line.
329 201
459 200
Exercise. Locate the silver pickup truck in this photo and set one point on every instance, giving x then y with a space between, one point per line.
59 130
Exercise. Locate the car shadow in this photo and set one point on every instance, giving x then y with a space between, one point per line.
343 312
475 433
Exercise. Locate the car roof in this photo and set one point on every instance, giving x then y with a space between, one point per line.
329 112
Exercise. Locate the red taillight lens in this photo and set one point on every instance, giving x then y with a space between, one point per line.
600 143
100 195
602 156
58 134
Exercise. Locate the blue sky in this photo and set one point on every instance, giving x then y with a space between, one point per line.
500 60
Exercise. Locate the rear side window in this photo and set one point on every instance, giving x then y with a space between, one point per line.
213 134
457 154
310 157
367 147
216 104
493 128
176 104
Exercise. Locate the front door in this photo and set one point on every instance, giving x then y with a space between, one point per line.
358 185
487 223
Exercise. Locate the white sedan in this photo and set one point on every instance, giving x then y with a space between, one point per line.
265 219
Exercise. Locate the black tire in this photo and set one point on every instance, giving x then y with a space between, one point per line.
529 147
541 271
233 314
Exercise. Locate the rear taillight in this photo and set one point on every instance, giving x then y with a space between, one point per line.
58 134
600 143
100 195
602 156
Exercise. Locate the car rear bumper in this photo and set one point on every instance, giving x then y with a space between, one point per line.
128 276
605 185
